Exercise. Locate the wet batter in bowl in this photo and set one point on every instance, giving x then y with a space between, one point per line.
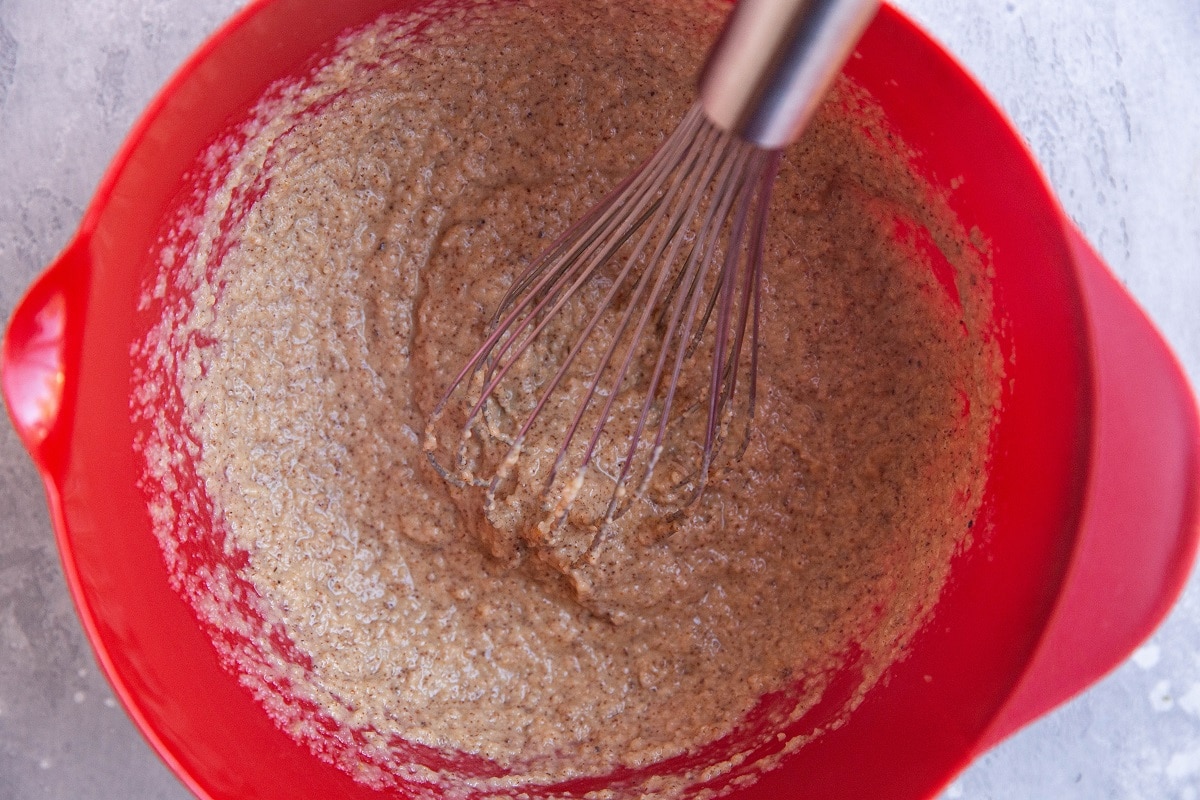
356 234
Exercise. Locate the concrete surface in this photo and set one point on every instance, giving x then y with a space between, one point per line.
1107 94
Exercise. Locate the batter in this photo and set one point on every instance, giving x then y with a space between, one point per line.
356 235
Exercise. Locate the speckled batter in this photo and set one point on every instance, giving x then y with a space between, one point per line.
357 234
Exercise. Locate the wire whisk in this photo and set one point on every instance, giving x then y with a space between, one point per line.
622 363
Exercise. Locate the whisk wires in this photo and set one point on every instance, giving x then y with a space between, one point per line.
622 344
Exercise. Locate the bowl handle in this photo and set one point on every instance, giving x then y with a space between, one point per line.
40 347
1140 524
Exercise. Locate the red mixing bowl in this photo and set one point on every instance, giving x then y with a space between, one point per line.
1086 534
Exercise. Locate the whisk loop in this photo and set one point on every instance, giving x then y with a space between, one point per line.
677 249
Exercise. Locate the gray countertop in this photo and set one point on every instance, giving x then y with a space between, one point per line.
1106 92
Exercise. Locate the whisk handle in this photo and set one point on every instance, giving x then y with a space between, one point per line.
774 61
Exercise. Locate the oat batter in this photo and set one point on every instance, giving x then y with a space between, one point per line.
358 233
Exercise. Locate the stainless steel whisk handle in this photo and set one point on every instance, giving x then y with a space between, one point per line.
773 62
